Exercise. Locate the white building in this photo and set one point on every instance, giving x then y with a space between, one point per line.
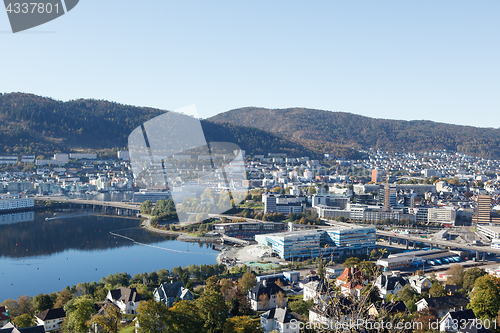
63 158
127 299
316 291
124 155
495 243
279 320
265 296
286 204
459 321
490 231
51 319
446 215
28 159
83 156
12 202
8 159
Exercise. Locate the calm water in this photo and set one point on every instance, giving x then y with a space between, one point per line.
42 256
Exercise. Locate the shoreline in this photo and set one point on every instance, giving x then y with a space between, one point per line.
180 236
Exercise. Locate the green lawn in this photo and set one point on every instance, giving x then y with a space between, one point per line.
129 329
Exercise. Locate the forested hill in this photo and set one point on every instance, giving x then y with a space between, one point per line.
311 127
34 124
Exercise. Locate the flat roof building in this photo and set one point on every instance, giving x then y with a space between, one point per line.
248 230
286 204
490 231
336 241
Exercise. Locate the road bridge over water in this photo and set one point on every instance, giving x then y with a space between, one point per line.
122 208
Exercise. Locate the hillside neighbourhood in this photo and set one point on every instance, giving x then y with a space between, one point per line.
393 242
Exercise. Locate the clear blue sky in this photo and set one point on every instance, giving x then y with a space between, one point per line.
436 60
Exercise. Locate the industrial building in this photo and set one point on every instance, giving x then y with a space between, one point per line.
337 242
490 231
418 258
339 201
151 196
248 230
357 212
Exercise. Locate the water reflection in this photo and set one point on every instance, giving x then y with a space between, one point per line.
43 256
17 217
43 233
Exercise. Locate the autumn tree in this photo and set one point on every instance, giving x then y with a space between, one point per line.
153 317
163 275
264 301
372 293
485 298
456 275
212 310
185 317
146 207
110 320
351 262
62 298
368 268
20 306
247 282
227 288
24 320
471 275
408 295
300 306
78 313
425 318
212 283
437 290
243 324
281 298
25 305
42 302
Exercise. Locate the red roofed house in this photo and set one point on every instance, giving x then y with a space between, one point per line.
351 281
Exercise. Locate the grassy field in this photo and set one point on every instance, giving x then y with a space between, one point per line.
129 329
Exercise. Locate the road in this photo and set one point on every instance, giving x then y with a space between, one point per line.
450 244
114 204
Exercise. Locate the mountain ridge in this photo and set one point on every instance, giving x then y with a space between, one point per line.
313 126
33 124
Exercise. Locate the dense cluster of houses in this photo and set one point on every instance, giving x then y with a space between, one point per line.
332 302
